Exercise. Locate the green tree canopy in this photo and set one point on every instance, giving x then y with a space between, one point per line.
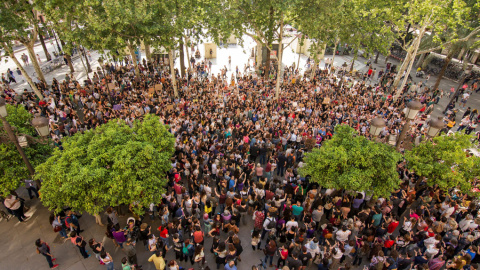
110 165
12 168
444 162
354 163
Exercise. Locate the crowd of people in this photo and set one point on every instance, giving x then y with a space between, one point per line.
238 150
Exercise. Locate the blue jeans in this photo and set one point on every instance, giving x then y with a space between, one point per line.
268 175
165 241
271 259
49 259
63 233
110 266
263 159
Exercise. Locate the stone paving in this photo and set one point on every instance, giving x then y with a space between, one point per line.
17 242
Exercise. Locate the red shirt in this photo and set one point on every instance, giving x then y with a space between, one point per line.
392 226
389 243
198 236
268 168
163 232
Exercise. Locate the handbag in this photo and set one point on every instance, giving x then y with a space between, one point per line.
57 228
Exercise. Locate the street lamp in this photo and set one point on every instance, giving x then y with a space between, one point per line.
435 126
41 125
13 138
376 126
413 107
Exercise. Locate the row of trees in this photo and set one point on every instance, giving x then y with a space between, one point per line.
368 25
354 163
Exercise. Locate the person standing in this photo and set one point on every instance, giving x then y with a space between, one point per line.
10 77
15 205
97 248
230 266
44 249
78 241
107 260
157 260
31 188
131 252
71 221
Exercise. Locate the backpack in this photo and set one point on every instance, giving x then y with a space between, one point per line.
271 224
185 249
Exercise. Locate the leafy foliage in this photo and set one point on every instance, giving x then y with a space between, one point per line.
12 168
110 165
444 162
354 163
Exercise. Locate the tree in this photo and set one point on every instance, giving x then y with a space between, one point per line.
20 24
12 169
352 162
265 21
360 23
433 16
110 165
444 162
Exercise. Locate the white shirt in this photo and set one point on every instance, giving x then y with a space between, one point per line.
291 224
342 236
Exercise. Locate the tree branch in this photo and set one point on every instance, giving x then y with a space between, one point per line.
473 33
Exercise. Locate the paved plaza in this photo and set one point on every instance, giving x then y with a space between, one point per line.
17 239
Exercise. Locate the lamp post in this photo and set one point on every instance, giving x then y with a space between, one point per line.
413 107
435 126
13 138
376 126
40 123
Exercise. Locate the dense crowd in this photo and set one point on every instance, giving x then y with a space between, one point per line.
237 154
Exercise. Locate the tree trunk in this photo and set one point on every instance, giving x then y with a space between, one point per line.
35 64
403 67
131 50
171 54
182 59
258 56
298 61
69 58
89 68
279 66
353 60
415 50
148 53
188 53
444 68
42 41
376 57
333 57
24 73
83 63
267 63
420 60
